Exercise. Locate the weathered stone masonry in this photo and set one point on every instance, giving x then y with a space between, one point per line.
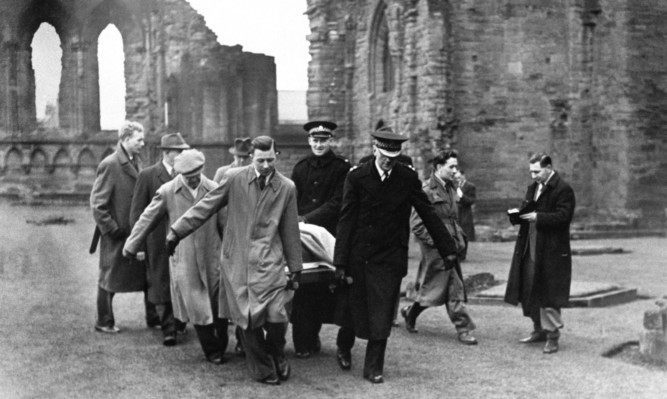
212 93
497 80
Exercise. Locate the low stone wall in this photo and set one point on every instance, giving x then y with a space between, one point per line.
653 340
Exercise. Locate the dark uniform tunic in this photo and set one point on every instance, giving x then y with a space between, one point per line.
372 242
319 185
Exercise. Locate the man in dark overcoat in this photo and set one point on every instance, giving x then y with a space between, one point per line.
153 253
319 179
541 269
110 202
372 242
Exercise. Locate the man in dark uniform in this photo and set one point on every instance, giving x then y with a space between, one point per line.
372 242
541 270
319 179
156 258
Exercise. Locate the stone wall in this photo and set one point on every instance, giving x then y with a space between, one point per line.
653 340
177 76
499 80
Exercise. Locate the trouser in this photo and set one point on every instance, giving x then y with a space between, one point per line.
546 319
264 346
374 361
456 310
345 339
105 315
305 334
213 338
168 322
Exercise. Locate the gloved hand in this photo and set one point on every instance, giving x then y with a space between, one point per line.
451 261
172 242
293 281
141 256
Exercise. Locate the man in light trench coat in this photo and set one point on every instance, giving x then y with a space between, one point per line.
194 267
153 253
110 201
261 237
435 284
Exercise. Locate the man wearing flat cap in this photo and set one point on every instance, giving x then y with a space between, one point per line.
261 239
319 179
194 267
241 152
372 242
153 253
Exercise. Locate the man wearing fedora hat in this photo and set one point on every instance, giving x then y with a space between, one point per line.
372 243
319 179
152 253
241 152
195 271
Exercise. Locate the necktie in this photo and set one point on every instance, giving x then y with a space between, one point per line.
262 182
385 175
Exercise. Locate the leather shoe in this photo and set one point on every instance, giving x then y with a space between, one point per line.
283 368
535 336
303 355
169 340
107 329
375 379
551 346
467 339
270 380
344 359
216 358
409 324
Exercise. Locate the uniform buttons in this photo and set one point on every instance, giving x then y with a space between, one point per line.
314 199
315 183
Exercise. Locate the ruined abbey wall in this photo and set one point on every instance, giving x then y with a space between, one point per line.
582 79
177 76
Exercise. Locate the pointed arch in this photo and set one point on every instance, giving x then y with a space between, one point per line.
381 69
47 63
111 77
86 163
14 161
62 163
38 162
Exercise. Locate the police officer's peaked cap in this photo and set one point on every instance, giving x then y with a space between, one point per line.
388 142
320 128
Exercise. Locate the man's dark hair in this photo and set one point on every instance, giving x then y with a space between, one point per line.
542 157
263 143
443 156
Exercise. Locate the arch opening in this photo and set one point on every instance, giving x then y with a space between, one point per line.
111 66
47 65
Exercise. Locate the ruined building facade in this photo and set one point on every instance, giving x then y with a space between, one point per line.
177 77
585 80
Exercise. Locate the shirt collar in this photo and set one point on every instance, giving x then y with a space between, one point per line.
167 166
548 178
380 171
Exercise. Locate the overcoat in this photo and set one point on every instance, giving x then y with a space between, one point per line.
319 185
157 260
466 220
194 267
110 202
261 237
372 242
435 284
548 285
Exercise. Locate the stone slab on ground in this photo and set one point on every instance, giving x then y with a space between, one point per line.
582 294
597 250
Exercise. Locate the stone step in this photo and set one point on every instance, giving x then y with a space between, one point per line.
582 294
